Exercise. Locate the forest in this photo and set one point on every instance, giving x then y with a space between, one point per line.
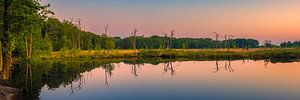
41 53
27 27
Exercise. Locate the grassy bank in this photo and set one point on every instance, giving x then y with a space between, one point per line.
90 54
176 53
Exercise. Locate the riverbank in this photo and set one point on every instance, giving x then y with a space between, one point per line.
7 92
176 53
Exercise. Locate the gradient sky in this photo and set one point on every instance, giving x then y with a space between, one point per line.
277 20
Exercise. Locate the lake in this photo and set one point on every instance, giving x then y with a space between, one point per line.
156 79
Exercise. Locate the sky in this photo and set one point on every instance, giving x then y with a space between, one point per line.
276 20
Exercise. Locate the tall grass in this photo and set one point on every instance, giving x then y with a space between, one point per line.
176 53
91 54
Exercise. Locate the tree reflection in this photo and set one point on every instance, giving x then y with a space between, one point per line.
108 68
168 67
217 69
136 66
267 61
228 66
31 77
134 69
28 80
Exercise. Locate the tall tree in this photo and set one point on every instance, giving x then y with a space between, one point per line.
133 41
170 41
217 39
79 34
6 37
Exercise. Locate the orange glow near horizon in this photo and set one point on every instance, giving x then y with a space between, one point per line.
275 20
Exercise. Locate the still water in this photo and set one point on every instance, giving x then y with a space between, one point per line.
160 80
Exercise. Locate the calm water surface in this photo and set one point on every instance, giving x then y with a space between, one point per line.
177 80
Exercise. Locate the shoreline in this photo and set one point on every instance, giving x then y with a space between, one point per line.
258 53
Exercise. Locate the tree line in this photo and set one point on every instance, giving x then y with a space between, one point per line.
27 27
290 44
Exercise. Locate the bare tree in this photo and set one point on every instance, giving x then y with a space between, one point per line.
74 36
72 20
170 41
133 42
216 46
106 29
217 39
78 36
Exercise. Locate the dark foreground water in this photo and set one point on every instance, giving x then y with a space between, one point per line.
158 80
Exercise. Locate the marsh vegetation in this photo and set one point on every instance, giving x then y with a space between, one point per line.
40 51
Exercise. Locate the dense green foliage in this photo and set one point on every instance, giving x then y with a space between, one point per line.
20 24
30 29
290 44
64 35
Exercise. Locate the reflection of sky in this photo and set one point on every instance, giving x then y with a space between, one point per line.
261 19
192 80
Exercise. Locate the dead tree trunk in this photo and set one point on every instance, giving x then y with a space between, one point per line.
74 36
170 42
133 42
79 34
217 39
106 29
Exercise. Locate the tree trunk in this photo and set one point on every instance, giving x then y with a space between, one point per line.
28 46
78 41
6 38
1 60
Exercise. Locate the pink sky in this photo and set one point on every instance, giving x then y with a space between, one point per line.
276 20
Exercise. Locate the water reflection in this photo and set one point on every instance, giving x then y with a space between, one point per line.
108 68
31 78
168 67
134 69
